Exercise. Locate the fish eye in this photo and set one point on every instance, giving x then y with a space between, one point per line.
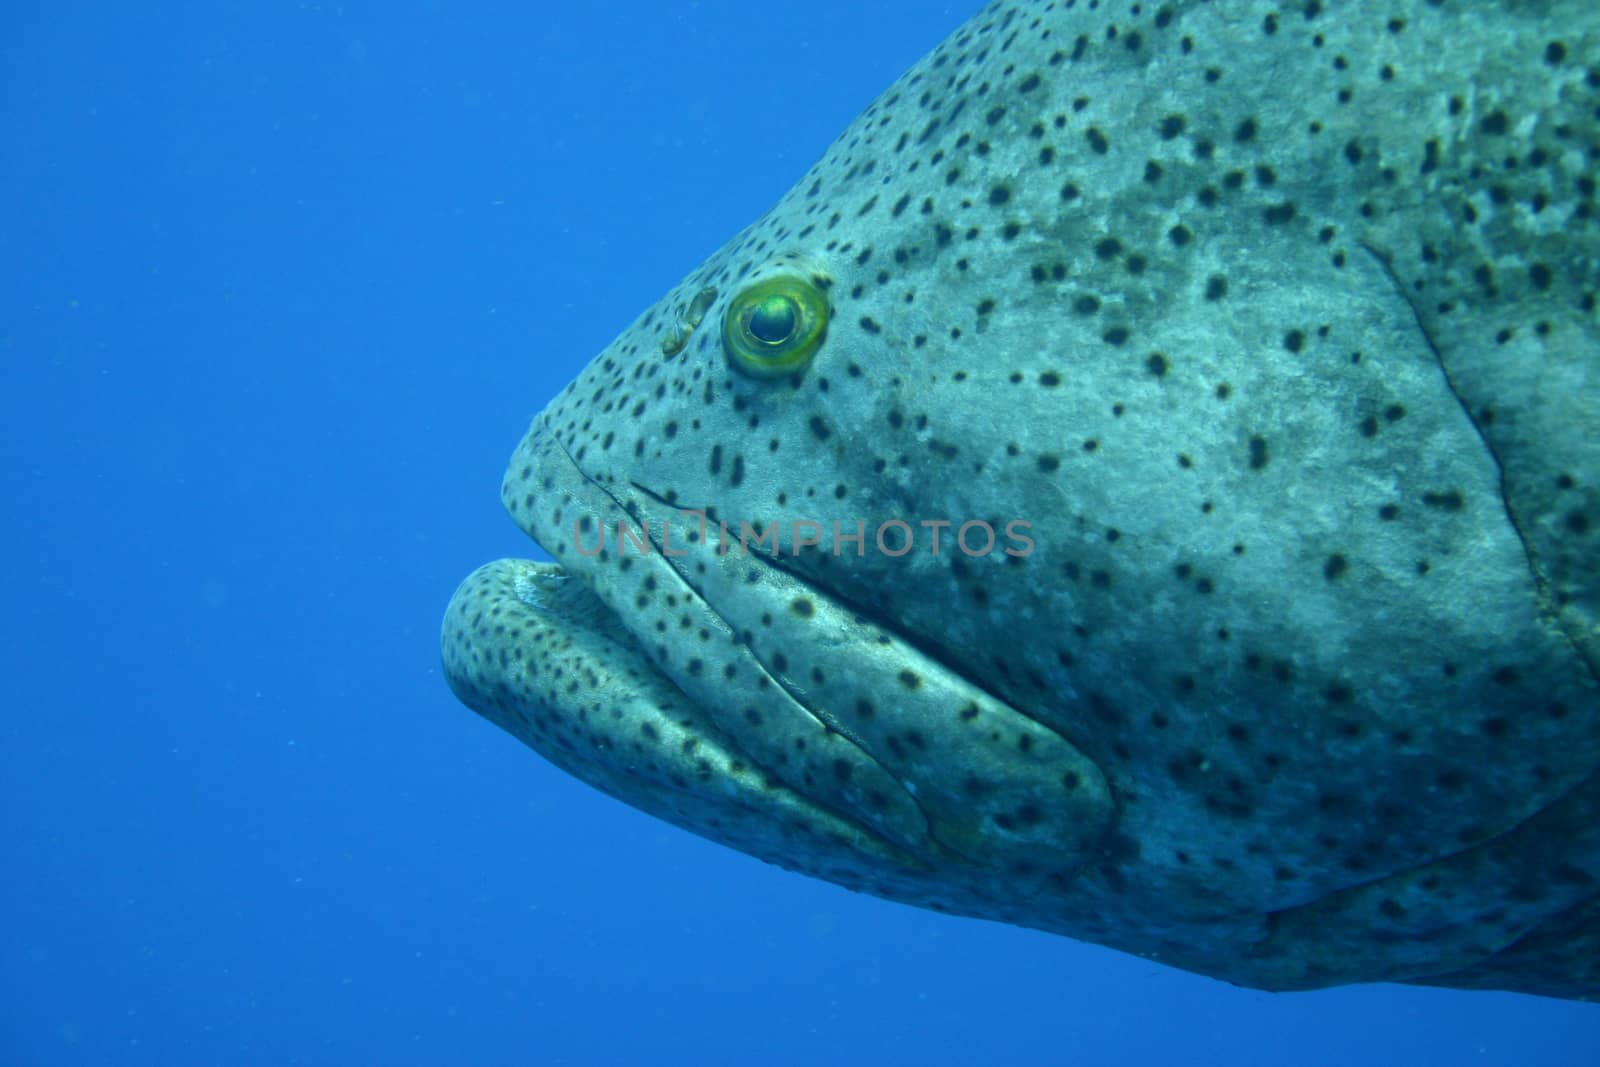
774 319
775 326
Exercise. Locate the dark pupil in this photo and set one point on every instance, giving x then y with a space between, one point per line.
772 322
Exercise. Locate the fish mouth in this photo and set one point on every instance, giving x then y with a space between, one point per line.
714 686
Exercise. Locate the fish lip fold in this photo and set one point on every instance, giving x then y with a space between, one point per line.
1044 805
554 500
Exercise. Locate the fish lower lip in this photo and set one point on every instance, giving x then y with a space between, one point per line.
533 651
830 705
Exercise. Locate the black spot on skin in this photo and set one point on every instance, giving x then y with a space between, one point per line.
910 680
1279 214
1216 287
1430 157
999 195
819 429
802 607
1334 567
1447 501
1156 364
1258 452
1495 123
1171 127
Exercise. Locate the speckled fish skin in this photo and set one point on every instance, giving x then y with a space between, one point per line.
1278 324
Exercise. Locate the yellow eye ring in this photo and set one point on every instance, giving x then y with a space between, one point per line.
774 327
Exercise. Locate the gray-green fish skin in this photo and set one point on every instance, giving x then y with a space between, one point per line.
1278 324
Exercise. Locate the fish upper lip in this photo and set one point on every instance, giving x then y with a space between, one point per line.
929 761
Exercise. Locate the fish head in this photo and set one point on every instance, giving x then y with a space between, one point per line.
1071 505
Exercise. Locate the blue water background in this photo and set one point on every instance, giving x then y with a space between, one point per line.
282 284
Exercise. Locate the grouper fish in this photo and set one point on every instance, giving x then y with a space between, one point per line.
1142 483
